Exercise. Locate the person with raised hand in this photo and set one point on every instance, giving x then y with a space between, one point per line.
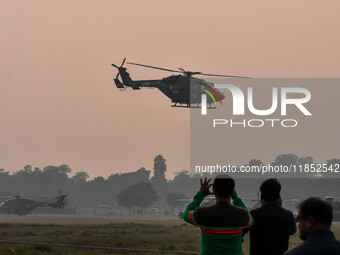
221 224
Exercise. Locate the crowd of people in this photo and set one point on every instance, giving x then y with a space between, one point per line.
224 224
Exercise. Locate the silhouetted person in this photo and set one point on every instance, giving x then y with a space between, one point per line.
221 224
273 224
315 218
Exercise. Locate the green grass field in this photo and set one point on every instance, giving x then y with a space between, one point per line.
145 232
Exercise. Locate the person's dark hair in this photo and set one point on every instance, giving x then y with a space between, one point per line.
320 210
223 185
270 189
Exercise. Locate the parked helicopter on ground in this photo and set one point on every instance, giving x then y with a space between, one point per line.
182 89
23 206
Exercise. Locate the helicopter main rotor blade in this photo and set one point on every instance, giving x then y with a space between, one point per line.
117 75
114 66
123 62
187 72
159 68
221 75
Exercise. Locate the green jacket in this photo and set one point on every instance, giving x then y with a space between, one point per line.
221 224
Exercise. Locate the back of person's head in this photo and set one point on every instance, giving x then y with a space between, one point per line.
320 210
270 190
223 186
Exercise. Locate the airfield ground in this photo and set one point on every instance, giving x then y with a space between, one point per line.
143 232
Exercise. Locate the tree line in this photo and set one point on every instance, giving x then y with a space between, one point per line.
139 189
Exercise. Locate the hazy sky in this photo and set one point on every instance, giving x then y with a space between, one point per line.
58 102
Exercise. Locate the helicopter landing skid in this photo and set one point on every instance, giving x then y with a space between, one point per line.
190 106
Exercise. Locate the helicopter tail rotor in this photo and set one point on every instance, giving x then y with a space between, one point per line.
117 81
60 200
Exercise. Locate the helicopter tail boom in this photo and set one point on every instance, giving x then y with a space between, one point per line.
60 202
128 82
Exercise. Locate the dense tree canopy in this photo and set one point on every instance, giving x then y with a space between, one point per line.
139 195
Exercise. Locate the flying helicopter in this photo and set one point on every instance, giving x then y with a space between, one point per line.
182 89
23 206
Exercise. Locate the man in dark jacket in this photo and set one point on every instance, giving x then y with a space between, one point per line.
315 219
273 224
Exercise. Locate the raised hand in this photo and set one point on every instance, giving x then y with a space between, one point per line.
205 186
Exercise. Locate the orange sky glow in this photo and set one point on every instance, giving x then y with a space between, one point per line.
58 102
